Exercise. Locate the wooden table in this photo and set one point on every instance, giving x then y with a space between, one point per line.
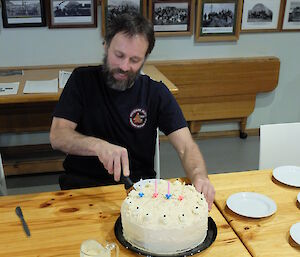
60 221
265 237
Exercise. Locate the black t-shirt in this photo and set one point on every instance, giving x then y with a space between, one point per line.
126 118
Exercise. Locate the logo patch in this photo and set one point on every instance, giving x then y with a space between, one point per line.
138 118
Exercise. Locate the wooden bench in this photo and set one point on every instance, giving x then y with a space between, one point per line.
220 89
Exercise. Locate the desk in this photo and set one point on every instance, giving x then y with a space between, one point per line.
33 112
267 236
60 221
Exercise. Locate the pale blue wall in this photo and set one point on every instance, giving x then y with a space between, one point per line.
43 46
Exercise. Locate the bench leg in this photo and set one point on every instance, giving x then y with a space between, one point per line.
3 188
195 126
243 124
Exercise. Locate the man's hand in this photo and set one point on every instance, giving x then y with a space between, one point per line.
64 137
114 159
203 185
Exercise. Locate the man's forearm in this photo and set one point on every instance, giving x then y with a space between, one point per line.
72 142
193 163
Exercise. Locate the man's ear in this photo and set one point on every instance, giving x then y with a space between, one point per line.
104 45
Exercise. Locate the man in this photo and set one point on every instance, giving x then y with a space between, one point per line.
107 116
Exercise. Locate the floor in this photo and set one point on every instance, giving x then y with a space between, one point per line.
220 154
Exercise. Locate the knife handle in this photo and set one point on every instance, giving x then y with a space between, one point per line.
126 181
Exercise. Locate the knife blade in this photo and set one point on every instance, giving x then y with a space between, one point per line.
24 224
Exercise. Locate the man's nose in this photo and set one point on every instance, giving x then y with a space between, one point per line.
125 65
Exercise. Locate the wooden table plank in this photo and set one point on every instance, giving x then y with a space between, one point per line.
60 221
263 237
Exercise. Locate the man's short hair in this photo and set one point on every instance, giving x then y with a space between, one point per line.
131 24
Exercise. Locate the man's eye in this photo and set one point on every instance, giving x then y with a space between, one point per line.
135 60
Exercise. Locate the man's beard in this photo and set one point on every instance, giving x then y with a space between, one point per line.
120 85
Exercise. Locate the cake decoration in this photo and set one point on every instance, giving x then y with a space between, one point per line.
168 196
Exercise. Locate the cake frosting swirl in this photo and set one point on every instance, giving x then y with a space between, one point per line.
164 217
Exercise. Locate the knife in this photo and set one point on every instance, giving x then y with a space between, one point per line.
128 184
24 224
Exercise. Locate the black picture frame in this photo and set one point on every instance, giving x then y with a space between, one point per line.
65 14
20 13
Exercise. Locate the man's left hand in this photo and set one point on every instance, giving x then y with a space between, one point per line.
204 185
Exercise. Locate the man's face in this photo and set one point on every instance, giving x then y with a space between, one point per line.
123 60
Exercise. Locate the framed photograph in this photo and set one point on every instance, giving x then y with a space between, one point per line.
21 13
218 20
172 17
112 8
291 21
72 13
262 15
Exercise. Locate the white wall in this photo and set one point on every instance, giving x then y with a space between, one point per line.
43 46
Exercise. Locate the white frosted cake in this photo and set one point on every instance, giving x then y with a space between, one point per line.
165 218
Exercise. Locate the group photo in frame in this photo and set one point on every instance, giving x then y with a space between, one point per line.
112 8
172 17
218 20
72 14
291 19
262 15
20 13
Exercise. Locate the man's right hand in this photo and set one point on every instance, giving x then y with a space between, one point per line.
114 159
64 137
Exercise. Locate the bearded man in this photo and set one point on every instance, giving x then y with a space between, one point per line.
107 117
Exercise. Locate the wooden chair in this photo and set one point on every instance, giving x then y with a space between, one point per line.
3 188
279 145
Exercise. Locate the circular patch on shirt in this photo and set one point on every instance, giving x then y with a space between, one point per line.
138 118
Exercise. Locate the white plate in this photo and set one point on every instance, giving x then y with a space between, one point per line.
289 175
252 205
295 232
298 197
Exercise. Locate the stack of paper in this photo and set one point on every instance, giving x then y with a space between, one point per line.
41 86
63 78
9 88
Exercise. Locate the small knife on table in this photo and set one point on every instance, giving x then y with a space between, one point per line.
24 224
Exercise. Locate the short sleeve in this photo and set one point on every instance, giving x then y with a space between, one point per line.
70 104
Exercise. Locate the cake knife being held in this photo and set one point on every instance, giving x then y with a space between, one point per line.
128 184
